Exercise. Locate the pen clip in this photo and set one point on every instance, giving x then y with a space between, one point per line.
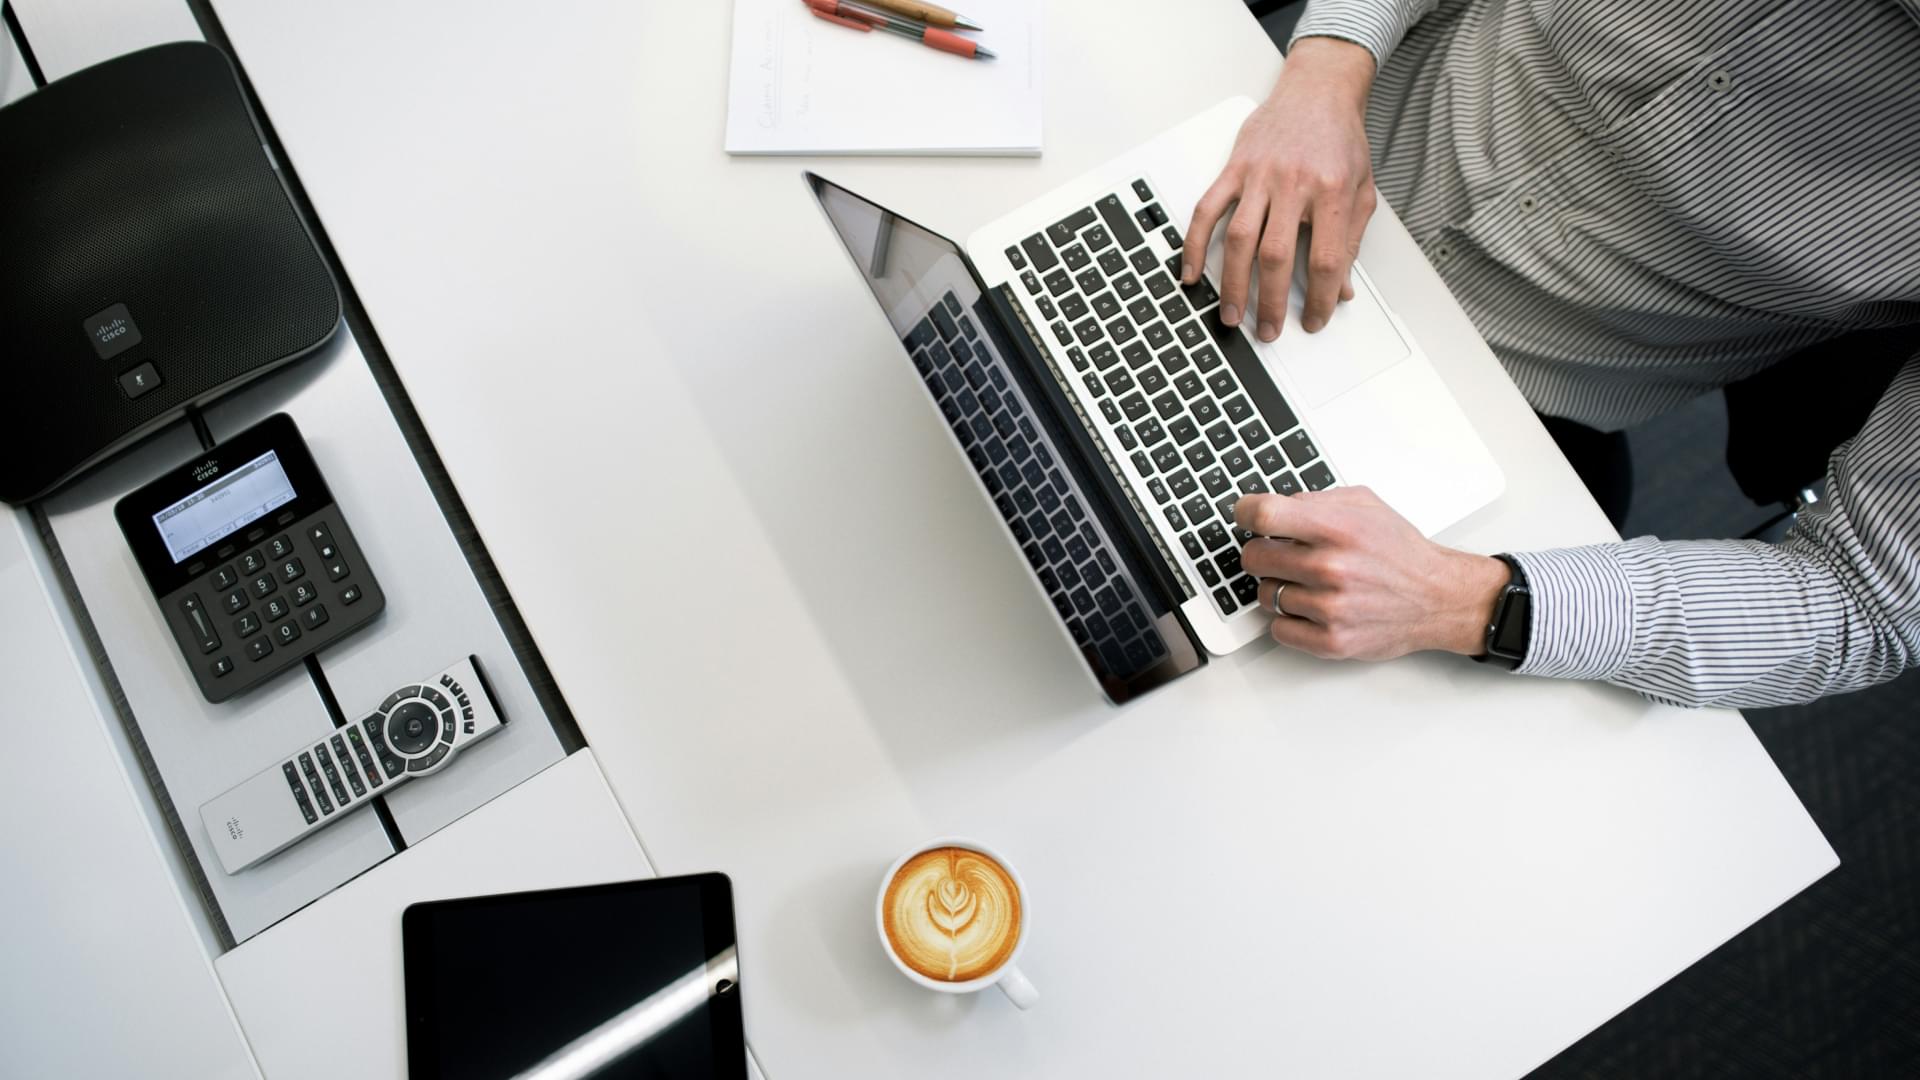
818 7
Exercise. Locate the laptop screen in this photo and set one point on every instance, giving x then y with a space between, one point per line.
1009 430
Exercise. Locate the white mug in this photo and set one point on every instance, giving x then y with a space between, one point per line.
1007 976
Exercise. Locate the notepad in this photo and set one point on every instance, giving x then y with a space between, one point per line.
802 85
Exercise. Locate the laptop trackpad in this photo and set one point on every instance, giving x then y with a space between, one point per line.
1358 343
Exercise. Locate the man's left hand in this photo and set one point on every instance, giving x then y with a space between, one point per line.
1360 582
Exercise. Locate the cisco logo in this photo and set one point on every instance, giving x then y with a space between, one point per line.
233 828
111 332
206 471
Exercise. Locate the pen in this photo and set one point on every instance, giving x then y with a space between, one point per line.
861 17
931 14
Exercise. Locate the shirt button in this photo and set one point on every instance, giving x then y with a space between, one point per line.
1443 251
1719 82
1528 204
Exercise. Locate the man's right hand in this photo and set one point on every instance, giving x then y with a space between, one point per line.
1301 158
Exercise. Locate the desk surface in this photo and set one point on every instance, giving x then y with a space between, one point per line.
798 643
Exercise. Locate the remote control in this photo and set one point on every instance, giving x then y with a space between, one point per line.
416 731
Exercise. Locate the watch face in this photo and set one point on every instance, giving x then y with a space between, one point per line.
1512 624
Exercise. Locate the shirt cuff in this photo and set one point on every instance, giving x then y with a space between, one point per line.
1582 603
1375 26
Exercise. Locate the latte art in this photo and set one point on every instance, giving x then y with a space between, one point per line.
952 914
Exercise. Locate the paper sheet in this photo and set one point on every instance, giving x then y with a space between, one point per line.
802 85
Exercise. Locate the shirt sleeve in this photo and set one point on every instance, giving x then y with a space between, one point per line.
1833 607
1378 25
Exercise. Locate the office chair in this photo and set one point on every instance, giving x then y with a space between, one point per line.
1783 423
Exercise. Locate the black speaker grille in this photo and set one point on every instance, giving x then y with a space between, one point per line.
140 181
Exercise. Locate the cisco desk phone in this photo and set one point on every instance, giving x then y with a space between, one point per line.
251 562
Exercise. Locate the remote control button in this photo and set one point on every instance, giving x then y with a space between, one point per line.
446 727
446 680
291 571
304 594
318 534
397 697
332 774
277 609
252 562
418 765
263 586
225 578
336 569
350 594
247 625
411 727
236 601
222 667
286 633
434 698
316 616
198 623
299 792
313 781
464 701
280 547
346 765
365 759
260 649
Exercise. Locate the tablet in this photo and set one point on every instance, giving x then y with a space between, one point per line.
630 979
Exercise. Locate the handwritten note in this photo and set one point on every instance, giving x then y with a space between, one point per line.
802 85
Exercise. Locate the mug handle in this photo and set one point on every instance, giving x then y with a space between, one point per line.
1017 988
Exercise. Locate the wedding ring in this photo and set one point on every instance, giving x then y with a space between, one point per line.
1278 588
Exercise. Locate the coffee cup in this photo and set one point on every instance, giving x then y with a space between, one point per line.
953 916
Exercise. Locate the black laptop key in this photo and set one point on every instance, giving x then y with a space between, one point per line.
1151 218
1188 384
1010 476
1062 232
976 374
1075 257
1238 410
1110 601
1225 507
1183 483
964 353
1122 225
1222 384
1174 309
1028 279
944 323
1300 449
1042 255
1015 258
1173 265
1172 236
1213 534
1048 579
1094 385
981 426
1207 572
1150 432
984 466
940 355
1229 563
922 335
1172 359
1135 406
1098 238
967 329
969 404
1199 456
1205 359
1083 601
1224 601
952 302
1254 434
1105 306
1191 335
1286 484
1046 307
1200 294
1183 430
1161 496
1141 310
1317 476
1198 510
1004 424
951 410
1143 464
1109 410
1073 307
1236 461
1175 518
1090 283
1220 435
1087 330
1061 523
1167 405
1141 191
1097 627
1049 501
1215 481
1192 544
1076 355
1126 286
1246 589
1269 460
1158 335
1065 608
1121 331
1152 381
1104 356
996 453
1020 448
1252 485
1053 548
1112 261
1058 282
1136 355
1093 575
1159 285
1119 381
1166 458
1034 475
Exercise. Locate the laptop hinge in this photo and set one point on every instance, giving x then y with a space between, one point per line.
1163 570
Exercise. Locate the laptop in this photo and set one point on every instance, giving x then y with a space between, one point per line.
1114 421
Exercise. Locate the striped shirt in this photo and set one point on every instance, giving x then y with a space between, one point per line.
1638 204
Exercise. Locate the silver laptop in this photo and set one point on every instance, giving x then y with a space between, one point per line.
1114 421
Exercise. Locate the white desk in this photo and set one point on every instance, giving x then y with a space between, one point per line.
695 454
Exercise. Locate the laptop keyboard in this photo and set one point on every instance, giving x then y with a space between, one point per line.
1186 402
1047 513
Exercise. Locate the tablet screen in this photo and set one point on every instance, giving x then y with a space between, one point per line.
640 974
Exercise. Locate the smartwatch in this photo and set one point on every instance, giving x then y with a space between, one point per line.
1511 627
